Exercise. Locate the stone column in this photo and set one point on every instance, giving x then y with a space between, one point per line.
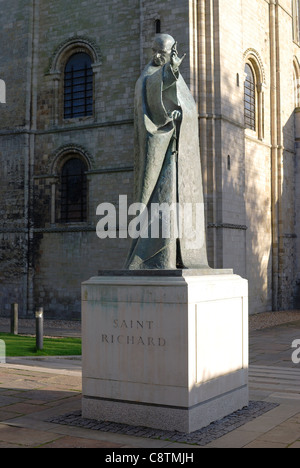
53 182
56 110
260 105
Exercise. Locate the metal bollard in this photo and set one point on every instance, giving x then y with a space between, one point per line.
39 326
14 319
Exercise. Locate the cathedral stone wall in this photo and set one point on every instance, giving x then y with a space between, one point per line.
251 178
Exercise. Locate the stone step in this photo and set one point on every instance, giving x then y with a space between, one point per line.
280 380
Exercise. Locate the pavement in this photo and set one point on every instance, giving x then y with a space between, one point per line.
36 392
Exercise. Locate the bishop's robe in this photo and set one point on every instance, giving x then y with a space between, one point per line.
167 170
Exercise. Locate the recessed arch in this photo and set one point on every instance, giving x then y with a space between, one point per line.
70 47
255 83
61 156
61 209
56 73
253 57
73 190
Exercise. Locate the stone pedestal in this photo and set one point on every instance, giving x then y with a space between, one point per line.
167 350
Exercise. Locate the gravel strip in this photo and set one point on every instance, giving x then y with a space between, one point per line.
201 437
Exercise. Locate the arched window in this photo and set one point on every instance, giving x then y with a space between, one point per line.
254 94
73 191
78 86
250 98
296 83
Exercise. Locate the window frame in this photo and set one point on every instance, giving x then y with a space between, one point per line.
66 205
55 73
252 59
60 157
250 98
87 74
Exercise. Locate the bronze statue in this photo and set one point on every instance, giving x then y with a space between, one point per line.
167 163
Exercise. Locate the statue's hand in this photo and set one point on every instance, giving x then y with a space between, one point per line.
176 115
175 59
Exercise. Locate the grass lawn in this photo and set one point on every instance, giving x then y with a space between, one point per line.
20 345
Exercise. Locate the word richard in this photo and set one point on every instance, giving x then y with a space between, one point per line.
143 338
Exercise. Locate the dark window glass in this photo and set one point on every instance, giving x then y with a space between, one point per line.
73 191
78 87
249 98
157 26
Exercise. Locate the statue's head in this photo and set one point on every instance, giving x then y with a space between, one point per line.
162 49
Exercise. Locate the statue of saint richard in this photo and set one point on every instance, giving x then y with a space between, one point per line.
168 180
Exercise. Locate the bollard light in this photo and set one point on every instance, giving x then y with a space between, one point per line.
39 320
